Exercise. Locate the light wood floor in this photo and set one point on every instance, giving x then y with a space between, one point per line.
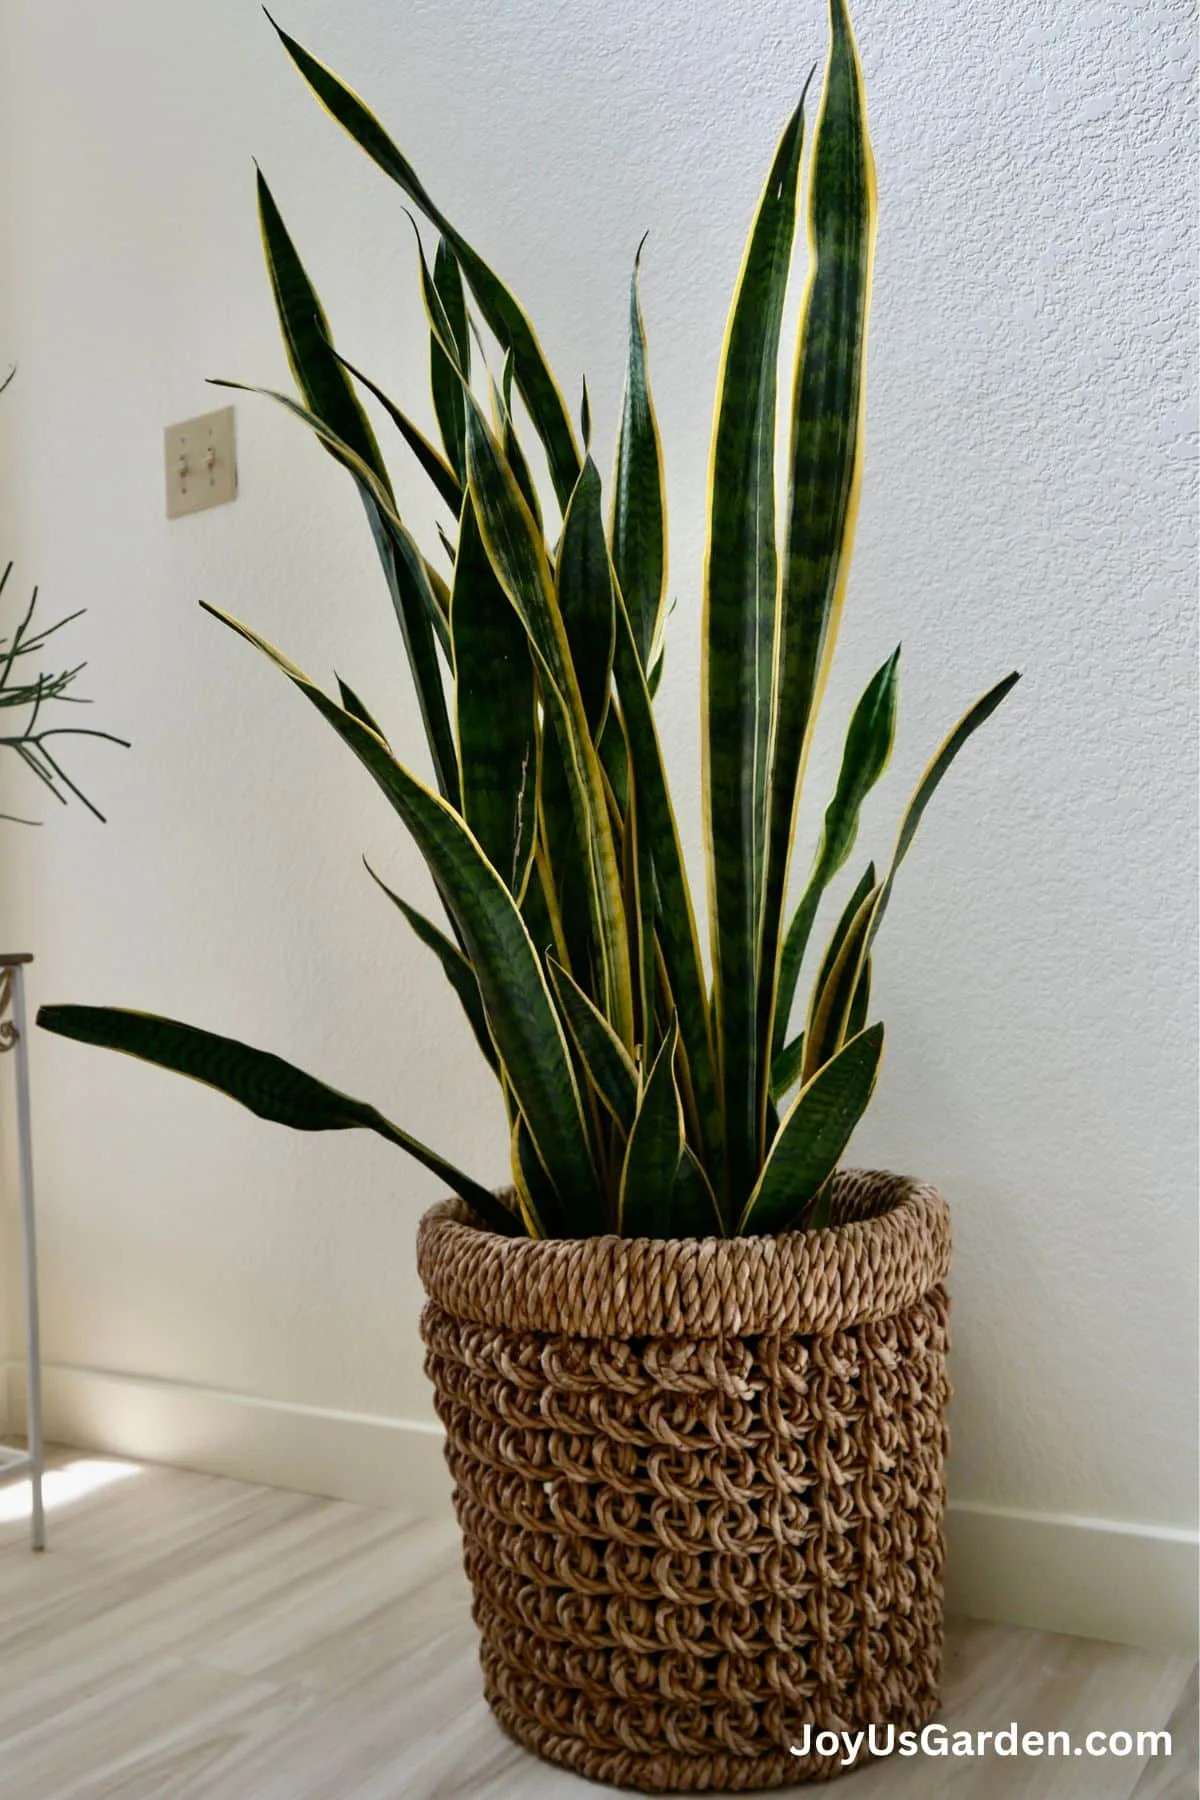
190 1638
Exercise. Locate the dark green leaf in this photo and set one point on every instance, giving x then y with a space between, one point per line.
520 1012
534 1185
444 380
605 1058
694 1209
583 581
814 1132
538 388
676 917
494 701
436 467
739 639
865 756
518 556
654 1150
825 455
352 704
833 995
786 1068
331 408
639 521
856 1019
457 969
319 374
264 1083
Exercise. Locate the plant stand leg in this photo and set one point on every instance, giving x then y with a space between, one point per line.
33 1363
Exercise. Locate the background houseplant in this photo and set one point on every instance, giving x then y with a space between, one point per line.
640 1099
26 699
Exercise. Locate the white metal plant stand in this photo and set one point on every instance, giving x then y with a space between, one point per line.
14 1036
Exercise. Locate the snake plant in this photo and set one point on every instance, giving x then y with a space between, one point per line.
642 1096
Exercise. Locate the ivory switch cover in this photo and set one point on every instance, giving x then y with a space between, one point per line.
201 464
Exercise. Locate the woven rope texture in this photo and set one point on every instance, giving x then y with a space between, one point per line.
685 1543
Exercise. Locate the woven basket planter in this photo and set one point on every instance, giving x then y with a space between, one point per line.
700 1483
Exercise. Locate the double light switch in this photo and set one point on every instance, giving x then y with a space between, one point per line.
201 465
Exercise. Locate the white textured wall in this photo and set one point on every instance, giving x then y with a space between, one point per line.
1026 502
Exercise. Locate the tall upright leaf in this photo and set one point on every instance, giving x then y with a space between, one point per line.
739 634
518 556
329 396
448 402
865 756
639 514
583 583
654 1150
825 456
539 390
675 914
494 708
839 986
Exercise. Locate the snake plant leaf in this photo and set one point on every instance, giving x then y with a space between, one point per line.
585 417
324 383
825 454
565 875
405 572
540 1204
447 279
518 556
609 1066
940 762
838 986
332 407
352 704
786 1068
583 581
868 747
856 1018
422 627
654 1150
538 388
455 966
833 995
812 1135
676 917
513 453
846 917
494 702
265 1084
639 512
440 473
739 634
614 756
520 1012
448 403
436 591
642 913
694 1209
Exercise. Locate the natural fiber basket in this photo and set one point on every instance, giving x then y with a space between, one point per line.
700 1483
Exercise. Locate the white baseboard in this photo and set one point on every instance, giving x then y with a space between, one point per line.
376 1461
1098 1578
1103 1578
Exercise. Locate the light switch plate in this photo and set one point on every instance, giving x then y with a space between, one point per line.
201 465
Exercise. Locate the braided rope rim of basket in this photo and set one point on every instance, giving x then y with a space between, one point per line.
889 1246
